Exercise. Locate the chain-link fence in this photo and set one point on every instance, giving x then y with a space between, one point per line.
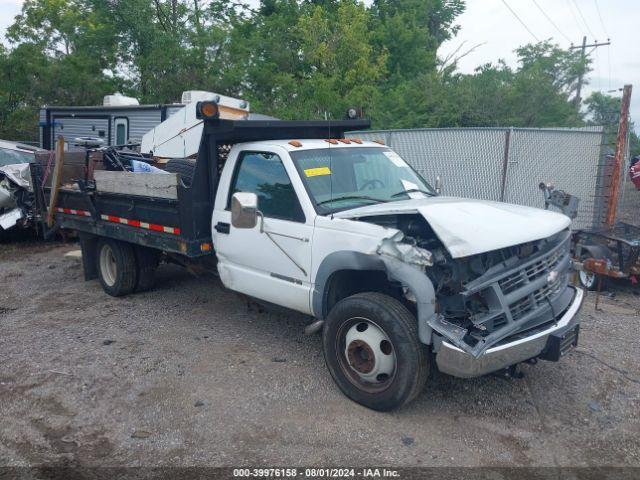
508 164
629 201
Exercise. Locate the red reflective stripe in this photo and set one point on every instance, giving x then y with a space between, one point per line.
73 211
139 224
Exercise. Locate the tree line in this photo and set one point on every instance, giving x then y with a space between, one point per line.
293 59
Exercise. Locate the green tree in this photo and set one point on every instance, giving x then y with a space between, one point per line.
412 31
537 93
61 52
289 58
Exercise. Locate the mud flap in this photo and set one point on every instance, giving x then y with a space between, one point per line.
88 245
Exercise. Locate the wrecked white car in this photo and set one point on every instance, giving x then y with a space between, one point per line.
398 278
16 196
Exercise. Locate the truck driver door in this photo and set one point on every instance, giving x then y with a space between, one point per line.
273 264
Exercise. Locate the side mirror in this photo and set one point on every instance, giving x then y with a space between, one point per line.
244 210
438 185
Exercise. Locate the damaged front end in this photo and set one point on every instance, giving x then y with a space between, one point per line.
481 301
524 288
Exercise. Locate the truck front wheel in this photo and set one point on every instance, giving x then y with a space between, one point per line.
372 351
116 267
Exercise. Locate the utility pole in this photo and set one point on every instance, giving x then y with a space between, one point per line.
618 160
583 47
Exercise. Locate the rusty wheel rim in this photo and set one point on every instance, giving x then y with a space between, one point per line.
366 355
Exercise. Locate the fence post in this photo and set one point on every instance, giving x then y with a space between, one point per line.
505 164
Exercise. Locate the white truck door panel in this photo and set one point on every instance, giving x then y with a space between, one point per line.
273 264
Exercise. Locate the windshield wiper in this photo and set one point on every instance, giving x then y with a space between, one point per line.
411 190
352 197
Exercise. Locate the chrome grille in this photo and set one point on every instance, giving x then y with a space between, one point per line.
550 290
532 272
538 298
525 293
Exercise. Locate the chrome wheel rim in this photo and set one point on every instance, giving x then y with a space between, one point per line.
367 355
587 279
108 265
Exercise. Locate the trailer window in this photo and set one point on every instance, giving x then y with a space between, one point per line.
265 175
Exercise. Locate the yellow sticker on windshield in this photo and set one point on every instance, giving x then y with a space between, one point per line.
314 172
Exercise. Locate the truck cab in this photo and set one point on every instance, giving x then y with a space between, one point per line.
398 278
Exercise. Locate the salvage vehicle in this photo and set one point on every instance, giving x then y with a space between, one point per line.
13 153
16 192
398 278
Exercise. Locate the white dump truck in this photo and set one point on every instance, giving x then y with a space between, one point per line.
398 278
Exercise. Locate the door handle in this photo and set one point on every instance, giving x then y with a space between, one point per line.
222 227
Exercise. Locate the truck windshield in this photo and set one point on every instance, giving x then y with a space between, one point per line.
341 178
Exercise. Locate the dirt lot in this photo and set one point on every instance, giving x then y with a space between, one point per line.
189 375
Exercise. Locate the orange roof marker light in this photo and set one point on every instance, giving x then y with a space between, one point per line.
207 110
332 141
380 142
344 140
356 140
295 143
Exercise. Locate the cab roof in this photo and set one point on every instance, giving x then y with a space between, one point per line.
296 144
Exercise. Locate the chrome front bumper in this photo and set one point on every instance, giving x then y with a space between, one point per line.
454 361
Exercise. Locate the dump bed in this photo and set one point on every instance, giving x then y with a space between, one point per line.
160 210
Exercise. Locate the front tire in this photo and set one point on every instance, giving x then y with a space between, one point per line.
117 268
372 350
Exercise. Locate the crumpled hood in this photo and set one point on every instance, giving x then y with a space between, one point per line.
468 227
18 173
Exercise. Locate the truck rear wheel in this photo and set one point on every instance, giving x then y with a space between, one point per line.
372 351
117 268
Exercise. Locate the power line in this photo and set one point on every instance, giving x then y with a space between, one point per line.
604 29
573 14
520 20
583 19
551 21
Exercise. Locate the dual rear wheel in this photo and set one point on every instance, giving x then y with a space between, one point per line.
124 268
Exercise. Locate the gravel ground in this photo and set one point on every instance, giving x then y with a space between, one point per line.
190 374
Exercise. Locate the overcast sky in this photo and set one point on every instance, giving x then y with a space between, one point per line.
491 24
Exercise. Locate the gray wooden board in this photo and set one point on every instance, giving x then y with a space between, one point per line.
161 185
